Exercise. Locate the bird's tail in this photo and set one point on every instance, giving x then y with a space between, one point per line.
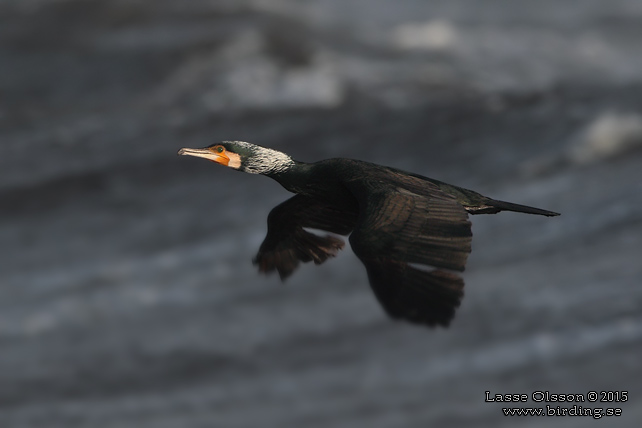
496 206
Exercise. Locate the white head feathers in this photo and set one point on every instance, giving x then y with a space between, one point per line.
261 160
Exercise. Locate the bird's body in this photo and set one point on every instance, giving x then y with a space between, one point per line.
411 232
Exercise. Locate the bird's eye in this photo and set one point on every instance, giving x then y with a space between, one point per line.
219 149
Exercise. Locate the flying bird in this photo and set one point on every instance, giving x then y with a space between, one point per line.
411 232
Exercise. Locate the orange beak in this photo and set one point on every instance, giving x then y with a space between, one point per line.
206 153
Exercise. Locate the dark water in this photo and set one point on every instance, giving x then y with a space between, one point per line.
127 296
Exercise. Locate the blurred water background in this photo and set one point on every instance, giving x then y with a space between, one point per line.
127 295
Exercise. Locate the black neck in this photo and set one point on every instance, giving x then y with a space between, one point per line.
295 178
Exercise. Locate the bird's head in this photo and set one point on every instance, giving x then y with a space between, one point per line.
244 157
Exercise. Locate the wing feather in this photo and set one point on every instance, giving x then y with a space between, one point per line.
398 227
287 242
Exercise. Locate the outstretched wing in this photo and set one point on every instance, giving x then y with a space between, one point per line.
287 242
399 229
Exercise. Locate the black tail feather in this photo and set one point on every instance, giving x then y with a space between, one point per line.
492 206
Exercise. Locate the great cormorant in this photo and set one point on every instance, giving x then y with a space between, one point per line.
411 232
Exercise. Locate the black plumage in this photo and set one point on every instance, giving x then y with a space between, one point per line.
411 232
